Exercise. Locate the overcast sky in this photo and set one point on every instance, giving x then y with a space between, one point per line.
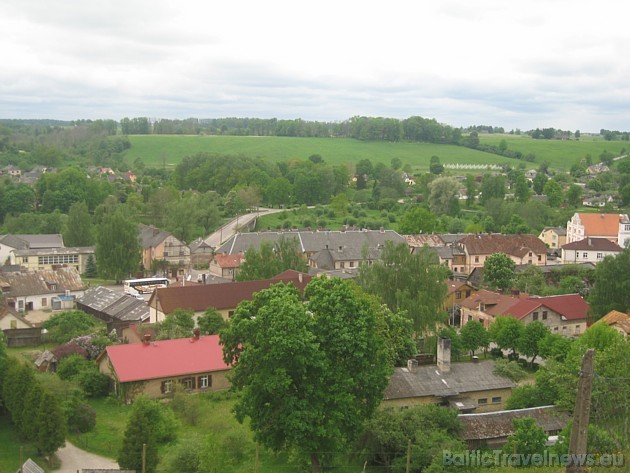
517 64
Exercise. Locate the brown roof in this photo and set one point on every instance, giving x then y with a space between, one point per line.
424 239
515 245
494 425
455 285
43 282
613 317
600 224
593 244
219 296
495 304
228 261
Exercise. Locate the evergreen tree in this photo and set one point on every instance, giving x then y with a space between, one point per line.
90 267
51 424
141 429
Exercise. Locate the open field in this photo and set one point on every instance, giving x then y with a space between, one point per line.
559 154
159 150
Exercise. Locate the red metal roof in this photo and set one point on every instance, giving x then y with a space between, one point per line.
166 358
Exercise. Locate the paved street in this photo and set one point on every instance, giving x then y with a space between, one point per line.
229 229
74 459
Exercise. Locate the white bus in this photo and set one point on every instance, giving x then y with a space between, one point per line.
144 285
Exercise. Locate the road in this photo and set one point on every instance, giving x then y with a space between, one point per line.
74 459
229 229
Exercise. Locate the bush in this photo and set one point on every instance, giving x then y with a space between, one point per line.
65 326
93 382
81 418
496 353
68 349
509 369
286 224
70 366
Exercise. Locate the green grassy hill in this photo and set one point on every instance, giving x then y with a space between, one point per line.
169 150
158 150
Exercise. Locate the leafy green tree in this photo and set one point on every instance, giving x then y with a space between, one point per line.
434 166
78 230
474 336
399 337
417 219
525 396
509 369
181 218
51 425
339 204
178 324
270 260
554 346
574 195
364 172
521 189
498 271
396 163
457 346
15 386
443 193
492 187
117 245
531 281
529 343
409 282
471 190
65 326
279 192
506 333
553 191
528 438
539 183
282 351
611 290
211 322
30 414
141 428
4 358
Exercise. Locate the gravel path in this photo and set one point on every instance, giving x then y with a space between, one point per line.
74 459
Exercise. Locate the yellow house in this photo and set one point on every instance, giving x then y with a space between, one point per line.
49 259
153 368
553 237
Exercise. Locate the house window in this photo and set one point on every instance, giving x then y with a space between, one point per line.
167 387
564 327
188 383
342 265
539 257
483 401
577 328
25 259
14 324
44 302
470 317
496 400
352 264
555 329
544 315
530 254
600 255
205 382
230 313
476 259
20 304
458 294
468 293
585 255
535 316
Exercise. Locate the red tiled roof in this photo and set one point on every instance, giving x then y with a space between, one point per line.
220 296
571 306
495 304
228 261
515 245
166 358
600 224
593 244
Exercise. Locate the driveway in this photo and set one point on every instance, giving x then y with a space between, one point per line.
74 459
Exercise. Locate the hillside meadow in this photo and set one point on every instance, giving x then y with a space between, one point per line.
169 150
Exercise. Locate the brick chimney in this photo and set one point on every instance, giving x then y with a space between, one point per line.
412 365
444 354
146 338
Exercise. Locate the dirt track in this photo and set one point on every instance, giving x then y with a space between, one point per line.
74 459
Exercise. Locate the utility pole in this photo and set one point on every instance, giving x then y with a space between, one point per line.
144 458
581 415
408 469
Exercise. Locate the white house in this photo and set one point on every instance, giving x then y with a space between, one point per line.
589 250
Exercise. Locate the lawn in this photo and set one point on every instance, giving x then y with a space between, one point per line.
159 150
558 153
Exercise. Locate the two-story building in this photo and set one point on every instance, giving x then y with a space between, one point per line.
553 237
159 245
614 227
589 250
226 266
522 249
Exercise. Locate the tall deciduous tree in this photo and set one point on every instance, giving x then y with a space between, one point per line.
611 290
443 196
533 334
554 194
410 282
270 260
309 374
506 333
498 271
417 219
474 336
78 230
117 245
528 437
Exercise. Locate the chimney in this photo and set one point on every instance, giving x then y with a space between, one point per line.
412 365
300 277
382 229
196 334
444 354
146 339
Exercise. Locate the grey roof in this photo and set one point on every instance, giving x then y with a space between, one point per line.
430 381
32 241
447 252
559 230
326 258
450 238
492 425
30 466
55 251
115 304
45 357
151 237
312 241
198 245
351 273
550 268
43 282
